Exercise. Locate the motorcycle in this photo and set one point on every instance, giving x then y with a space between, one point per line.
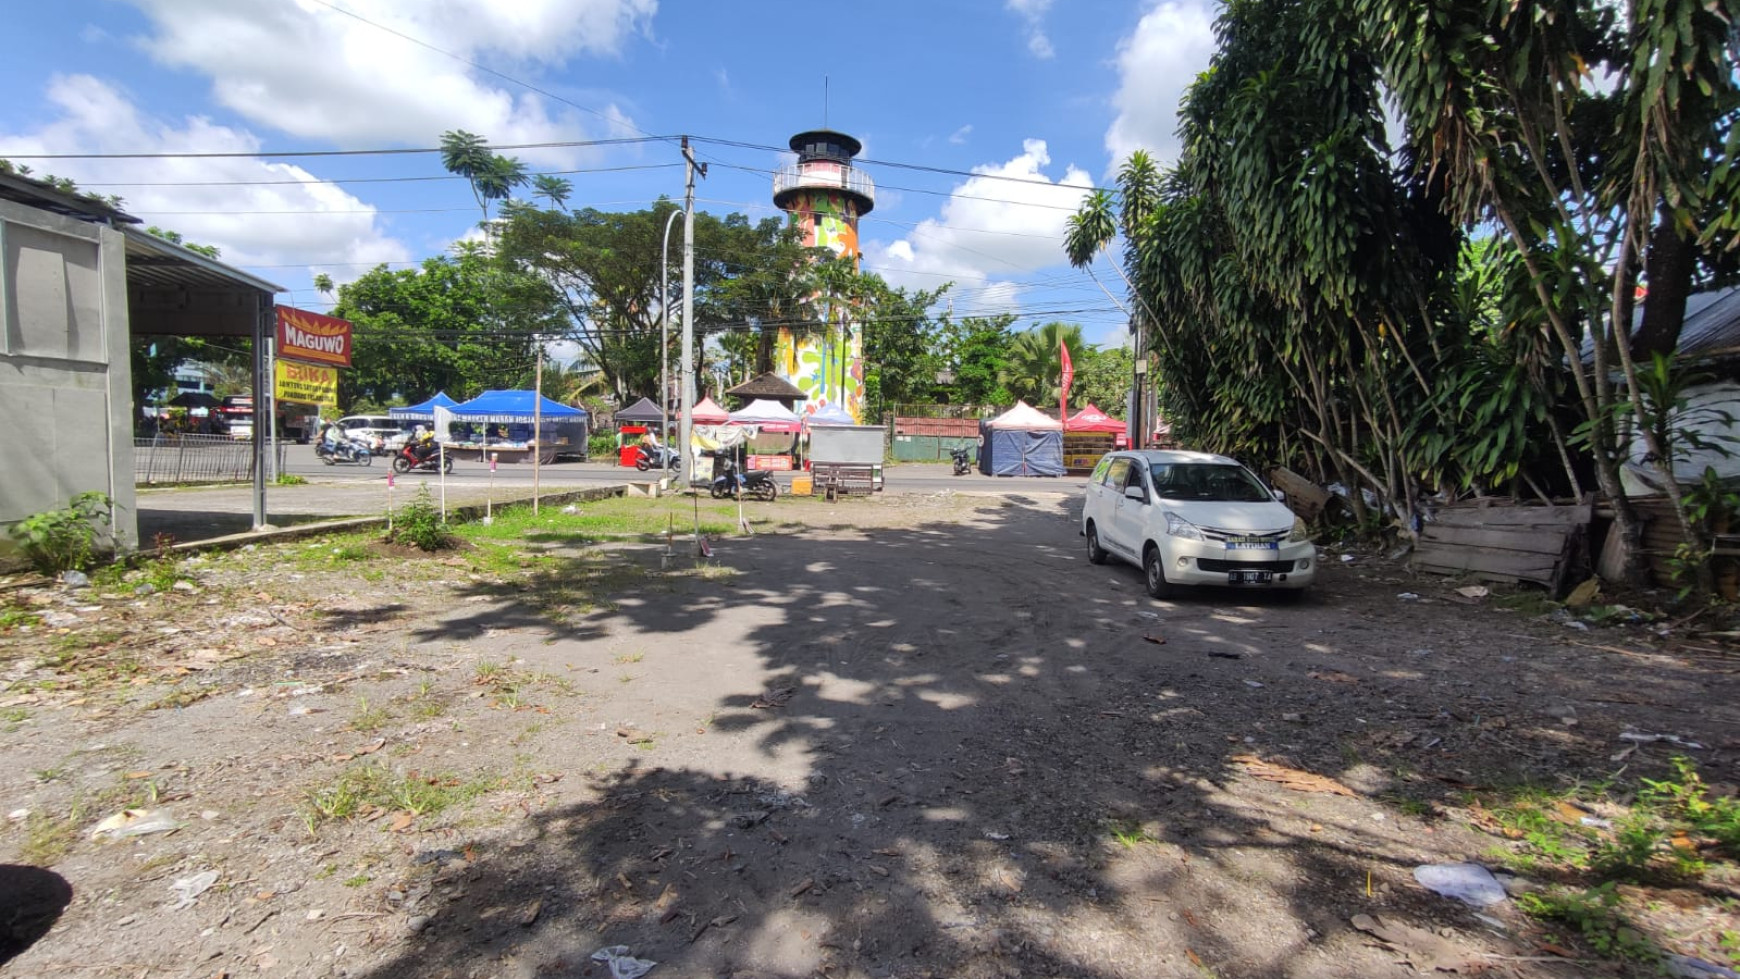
729 482
422 456
662 457
345 450
962 466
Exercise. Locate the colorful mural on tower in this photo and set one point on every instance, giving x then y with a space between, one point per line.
827 365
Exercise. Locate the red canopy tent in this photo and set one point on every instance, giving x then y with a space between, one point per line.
1092 419
708 412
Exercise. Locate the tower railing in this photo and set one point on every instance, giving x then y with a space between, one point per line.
796 176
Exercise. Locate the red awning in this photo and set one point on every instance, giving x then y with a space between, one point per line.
1092 419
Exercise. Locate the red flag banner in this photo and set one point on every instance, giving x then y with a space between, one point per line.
1068 379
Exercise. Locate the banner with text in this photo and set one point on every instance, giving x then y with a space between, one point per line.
307 384
313 338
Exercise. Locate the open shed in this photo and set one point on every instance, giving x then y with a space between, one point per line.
78 280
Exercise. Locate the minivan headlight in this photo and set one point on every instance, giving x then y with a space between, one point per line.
1300 530
1177 526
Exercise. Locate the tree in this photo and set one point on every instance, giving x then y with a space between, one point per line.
462 323
323 283
1033 370
556 190
1103 378
492 176
975 352
174 238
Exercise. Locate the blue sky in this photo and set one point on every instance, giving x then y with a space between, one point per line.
1052 94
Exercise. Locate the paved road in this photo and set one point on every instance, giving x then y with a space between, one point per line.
344 490
904 478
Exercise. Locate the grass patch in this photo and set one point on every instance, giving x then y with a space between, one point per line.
1594 916
15 617
369 719
366 788
291 479
615 517
47 839
1129 833
181 697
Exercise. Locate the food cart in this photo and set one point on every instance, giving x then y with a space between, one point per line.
498 424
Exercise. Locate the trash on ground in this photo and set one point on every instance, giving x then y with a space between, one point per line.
1474 591
1642 738
1408 596
1156 640
1254 684
622 964
1469 883
135 822
1686 967
1426 952
1291 778
1218 654
774 698
1347 559
570 509
1582 595
190 888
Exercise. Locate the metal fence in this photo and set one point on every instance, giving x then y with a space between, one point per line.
194 459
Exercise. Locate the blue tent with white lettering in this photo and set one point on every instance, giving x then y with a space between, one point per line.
423 410
514 406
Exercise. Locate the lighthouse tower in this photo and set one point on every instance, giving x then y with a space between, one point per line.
825 196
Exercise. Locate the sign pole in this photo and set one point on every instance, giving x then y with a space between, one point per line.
389 502
537 423
272 409
489 496
443 464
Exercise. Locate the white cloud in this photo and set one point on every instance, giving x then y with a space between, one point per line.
960 135
990 230
306 69
96 118
1169 47
1032 12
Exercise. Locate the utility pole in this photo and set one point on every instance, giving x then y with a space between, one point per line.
665 333
537 422
688 363
1138 433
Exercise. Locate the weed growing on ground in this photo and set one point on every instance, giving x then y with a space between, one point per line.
16 618
369 719
66 539
1595 916
419 524
368 787
290 479
1129 833
47 839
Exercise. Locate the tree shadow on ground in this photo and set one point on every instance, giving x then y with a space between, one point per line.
957 756
31 901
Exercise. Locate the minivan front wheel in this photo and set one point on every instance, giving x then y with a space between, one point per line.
1154 574
1096 553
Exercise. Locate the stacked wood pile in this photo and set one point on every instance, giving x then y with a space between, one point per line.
1505 542
1306 498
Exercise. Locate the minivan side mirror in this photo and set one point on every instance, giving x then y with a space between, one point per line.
1135 493
1280 497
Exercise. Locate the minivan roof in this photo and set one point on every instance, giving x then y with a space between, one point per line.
1152 456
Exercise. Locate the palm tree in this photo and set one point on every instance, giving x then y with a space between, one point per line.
556 190
492 177
1034 369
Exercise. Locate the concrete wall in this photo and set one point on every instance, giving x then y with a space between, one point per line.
65 376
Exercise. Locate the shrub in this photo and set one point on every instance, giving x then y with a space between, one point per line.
66 539
420 525
601 447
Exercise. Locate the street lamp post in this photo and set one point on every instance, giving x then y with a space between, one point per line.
665 331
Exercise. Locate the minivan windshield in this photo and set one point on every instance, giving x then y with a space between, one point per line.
1208 482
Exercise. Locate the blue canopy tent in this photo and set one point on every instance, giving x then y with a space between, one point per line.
423 410
1023 441
564 426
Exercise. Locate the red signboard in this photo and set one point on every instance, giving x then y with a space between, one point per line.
313 338
780 463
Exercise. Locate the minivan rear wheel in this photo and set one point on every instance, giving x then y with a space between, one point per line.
1096 553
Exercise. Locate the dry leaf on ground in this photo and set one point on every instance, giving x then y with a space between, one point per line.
1292 778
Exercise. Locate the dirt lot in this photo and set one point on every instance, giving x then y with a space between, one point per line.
914 736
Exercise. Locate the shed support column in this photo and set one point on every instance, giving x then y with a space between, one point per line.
262 420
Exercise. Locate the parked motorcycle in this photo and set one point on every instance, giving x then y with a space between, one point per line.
962 466
728 481
662 457
423 457
345 450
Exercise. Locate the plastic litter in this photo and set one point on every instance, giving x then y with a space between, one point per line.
1641 738
135 822
1474 591
1408 596
1687 967
1469 883
623 965
190 888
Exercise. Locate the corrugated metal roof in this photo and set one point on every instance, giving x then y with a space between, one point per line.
1712 324
155 263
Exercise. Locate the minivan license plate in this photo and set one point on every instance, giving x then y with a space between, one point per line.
1251 544
1249 577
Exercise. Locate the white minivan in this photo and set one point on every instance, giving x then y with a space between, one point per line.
1191 518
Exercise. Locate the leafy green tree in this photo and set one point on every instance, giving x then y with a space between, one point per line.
1103 378
554 189
975 352
462 323
1033 370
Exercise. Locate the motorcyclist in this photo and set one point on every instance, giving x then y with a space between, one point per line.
423 444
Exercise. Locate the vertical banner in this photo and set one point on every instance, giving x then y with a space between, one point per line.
443 423
1068 379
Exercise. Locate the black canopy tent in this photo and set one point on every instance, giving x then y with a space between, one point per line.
641 412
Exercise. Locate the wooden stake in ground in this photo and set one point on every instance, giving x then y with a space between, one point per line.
389 499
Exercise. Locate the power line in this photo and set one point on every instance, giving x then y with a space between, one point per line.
372 180
286 154
920 167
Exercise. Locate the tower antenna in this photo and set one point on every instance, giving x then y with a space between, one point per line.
824 101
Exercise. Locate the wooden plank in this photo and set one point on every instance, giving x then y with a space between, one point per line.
1306 498
1458 558
1534 540
1513 516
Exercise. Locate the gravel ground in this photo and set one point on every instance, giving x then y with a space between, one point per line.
910 736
